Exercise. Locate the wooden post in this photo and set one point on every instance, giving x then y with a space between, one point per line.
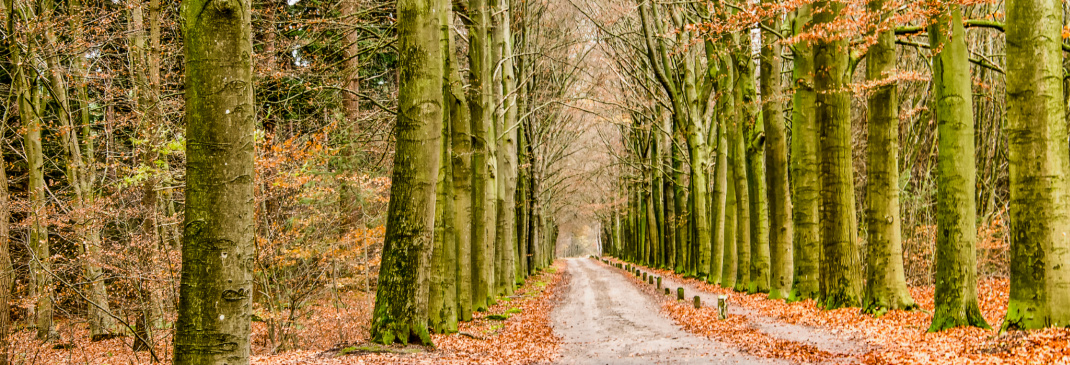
698 302
680 293
722 306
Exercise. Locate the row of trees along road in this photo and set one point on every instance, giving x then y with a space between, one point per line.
469 215
222 162
761 139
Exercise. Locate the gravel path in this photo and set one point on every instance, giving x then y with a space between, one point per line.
605 319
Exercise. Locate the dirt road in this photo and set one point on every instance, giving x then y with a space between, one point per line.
605 319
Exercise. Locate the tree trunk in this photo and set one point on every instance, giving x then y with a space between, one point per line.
720 182
218 248
806 196
886 287
759 222
776 165
1039 160
6 271
27 102
77 173
479 104
841 269
737 162
728 265
507 160
442 303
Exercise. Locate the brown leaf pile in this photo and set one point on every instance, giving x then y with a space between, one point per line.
898 337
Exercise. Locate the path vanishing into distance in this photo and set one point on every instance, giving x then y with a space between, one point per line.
604 318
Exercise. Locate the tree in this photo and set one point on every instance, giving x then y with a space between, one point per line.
7 275
479 102
956 277
218 250
401 299
806 243
886 286
28 102
1039 162
841 269
776 164
445 260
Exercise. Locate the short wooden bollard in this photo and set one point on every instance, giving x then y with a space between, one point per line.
698 302
650 279
666 291
644 276
659 282
680 293
722 306
637 272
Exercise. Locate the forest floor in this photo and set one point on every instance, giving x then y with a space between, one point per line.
334 330
582 311
801 332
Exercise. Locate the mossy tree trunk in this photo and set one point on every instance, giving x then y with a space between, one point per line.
461 146
956 219
806 196
841 267
778 192
759 222
886 287
401 298
1039 197
481 117
720 193
737 161
728 265
218 249
443 311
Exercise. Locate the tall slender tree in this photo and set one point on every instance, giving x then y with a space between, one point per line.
805 195
776 163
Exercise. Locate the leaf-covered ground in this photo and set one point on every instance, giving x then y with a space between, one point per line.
898 337
334 331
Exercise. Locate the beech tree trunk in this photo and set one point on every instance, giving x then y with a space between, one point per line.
218 248
841 269
1039 163
778 194
806 196
886 287
481 114
956 269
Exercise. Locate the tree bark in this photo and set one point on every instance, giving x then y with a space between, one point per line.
886 287
218 248
1039 162
841 269
481 114
443 304
776 164
507 160
806 196
737 162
